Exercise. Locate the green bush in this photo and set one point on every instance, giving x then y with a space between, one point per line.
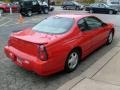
88 1
59 2
8 0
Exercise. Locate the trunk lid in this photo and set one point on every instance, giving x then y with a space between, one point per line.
28 41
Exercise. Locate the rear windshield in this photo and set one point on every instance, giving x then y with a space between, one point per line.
54 25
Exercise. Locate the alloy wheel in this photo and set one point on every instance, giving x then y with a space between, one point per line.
72 61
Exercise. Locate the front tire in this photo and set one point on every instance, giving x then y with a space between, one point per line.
110 12
64 8
72 61
91 11
46 11
29 13
77 8
110 38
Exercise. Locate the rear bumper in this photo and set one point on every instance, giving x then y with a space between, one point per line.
29 62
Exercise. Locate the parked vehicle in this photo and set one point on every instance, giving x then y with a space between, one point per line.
32 6
113 3
101 8
5 7
72 5
1 2
58 43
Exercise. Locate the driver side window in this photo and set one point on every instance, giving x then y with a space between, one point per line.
70 3
102 6
93 22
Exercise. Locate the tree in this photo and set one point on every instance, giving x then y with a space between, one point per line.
88 1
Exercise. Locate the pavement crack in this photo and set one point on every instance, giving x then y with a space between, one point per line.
105 82
77 83
105 64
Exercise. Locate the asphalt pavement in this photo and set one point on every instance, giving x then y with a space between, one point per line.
13 77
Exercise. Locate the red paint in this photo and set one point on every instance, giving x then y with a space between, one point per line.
24 45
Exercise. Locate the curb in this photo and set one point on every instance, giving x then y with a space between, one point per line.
93 70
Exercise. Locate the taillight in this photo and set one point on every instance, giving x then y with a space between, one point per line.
42 53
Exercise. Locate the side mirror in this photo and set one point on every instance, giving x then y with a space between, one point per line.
82 28
104 24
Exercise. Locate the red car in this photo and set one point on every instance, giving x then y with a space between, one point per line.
5 7
58 43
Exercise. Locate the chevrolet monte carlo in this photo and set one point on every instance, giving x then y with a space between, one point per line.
58 43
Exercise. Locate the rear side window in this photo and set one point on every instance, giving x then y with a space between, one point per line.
94 5
102 6
68 3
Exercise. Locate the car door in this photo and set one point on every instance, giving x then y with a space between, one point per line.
35 6
95 8
103 8
73 5
98 31
70 5
86 38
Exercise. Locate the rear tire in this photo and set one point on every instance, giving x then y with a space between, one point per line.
39 12
117 13
72 61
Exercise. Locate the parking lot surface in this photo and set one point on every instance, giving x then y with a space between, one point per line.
13 77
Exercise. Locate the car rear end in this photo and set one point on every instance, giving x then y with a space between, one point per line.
28 55
38 49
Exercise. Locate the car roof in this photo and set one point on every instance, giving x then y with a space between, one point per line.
75 16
